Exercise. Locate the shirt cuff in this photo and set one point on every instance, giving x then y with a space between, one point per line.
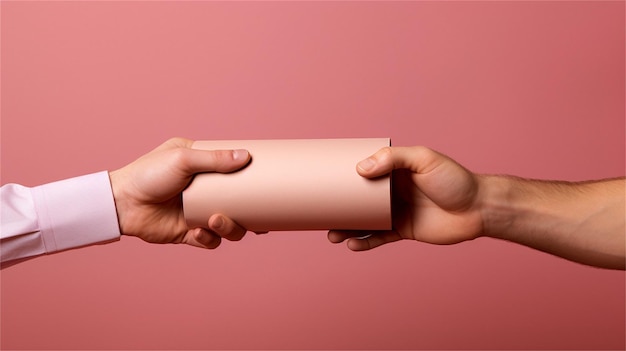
76 212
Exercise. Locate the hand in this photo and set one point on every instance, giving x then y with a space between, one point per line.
434 199
148 199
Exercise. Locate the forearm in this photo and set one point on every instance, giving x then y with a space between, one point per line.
582 222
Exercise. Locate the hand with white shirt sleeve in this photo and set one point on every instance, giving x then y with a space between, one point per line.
148 199
142 199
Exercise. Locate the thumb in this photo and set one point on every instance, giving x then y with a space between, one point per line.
223 161
418 159
376 165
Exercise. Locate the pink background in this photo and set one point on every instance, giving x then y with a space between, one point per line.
528 88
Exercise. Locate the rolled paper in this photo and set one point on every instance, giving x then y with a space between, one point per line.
297 184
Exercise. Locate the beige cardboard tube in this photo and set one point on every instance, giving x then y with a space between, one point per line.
307 184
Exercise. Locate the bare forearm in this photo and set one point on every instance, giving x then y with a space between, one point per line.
582 222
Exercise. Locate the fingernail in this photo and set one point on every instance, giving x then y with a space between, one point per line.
218 222
240 154
366 164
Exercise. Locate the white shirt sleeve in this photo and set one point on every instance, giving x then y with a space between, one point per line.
57 216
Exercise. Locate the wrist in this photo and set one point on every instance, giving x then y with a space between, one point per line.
496 199
120 200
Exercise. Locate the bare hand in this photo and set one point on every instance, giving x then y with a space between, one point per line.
434 199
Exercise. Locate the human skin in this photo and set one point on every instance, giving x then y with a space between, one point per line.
147 194
438 201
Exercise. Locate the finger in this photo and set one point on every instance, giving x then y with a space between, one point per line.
226 227
419 159
373 241
338 236
202 238
223 161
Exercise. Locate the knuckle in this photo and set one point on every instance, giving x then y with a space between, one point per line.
179 155
385 154
223 159
386 151
176 141
222 156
